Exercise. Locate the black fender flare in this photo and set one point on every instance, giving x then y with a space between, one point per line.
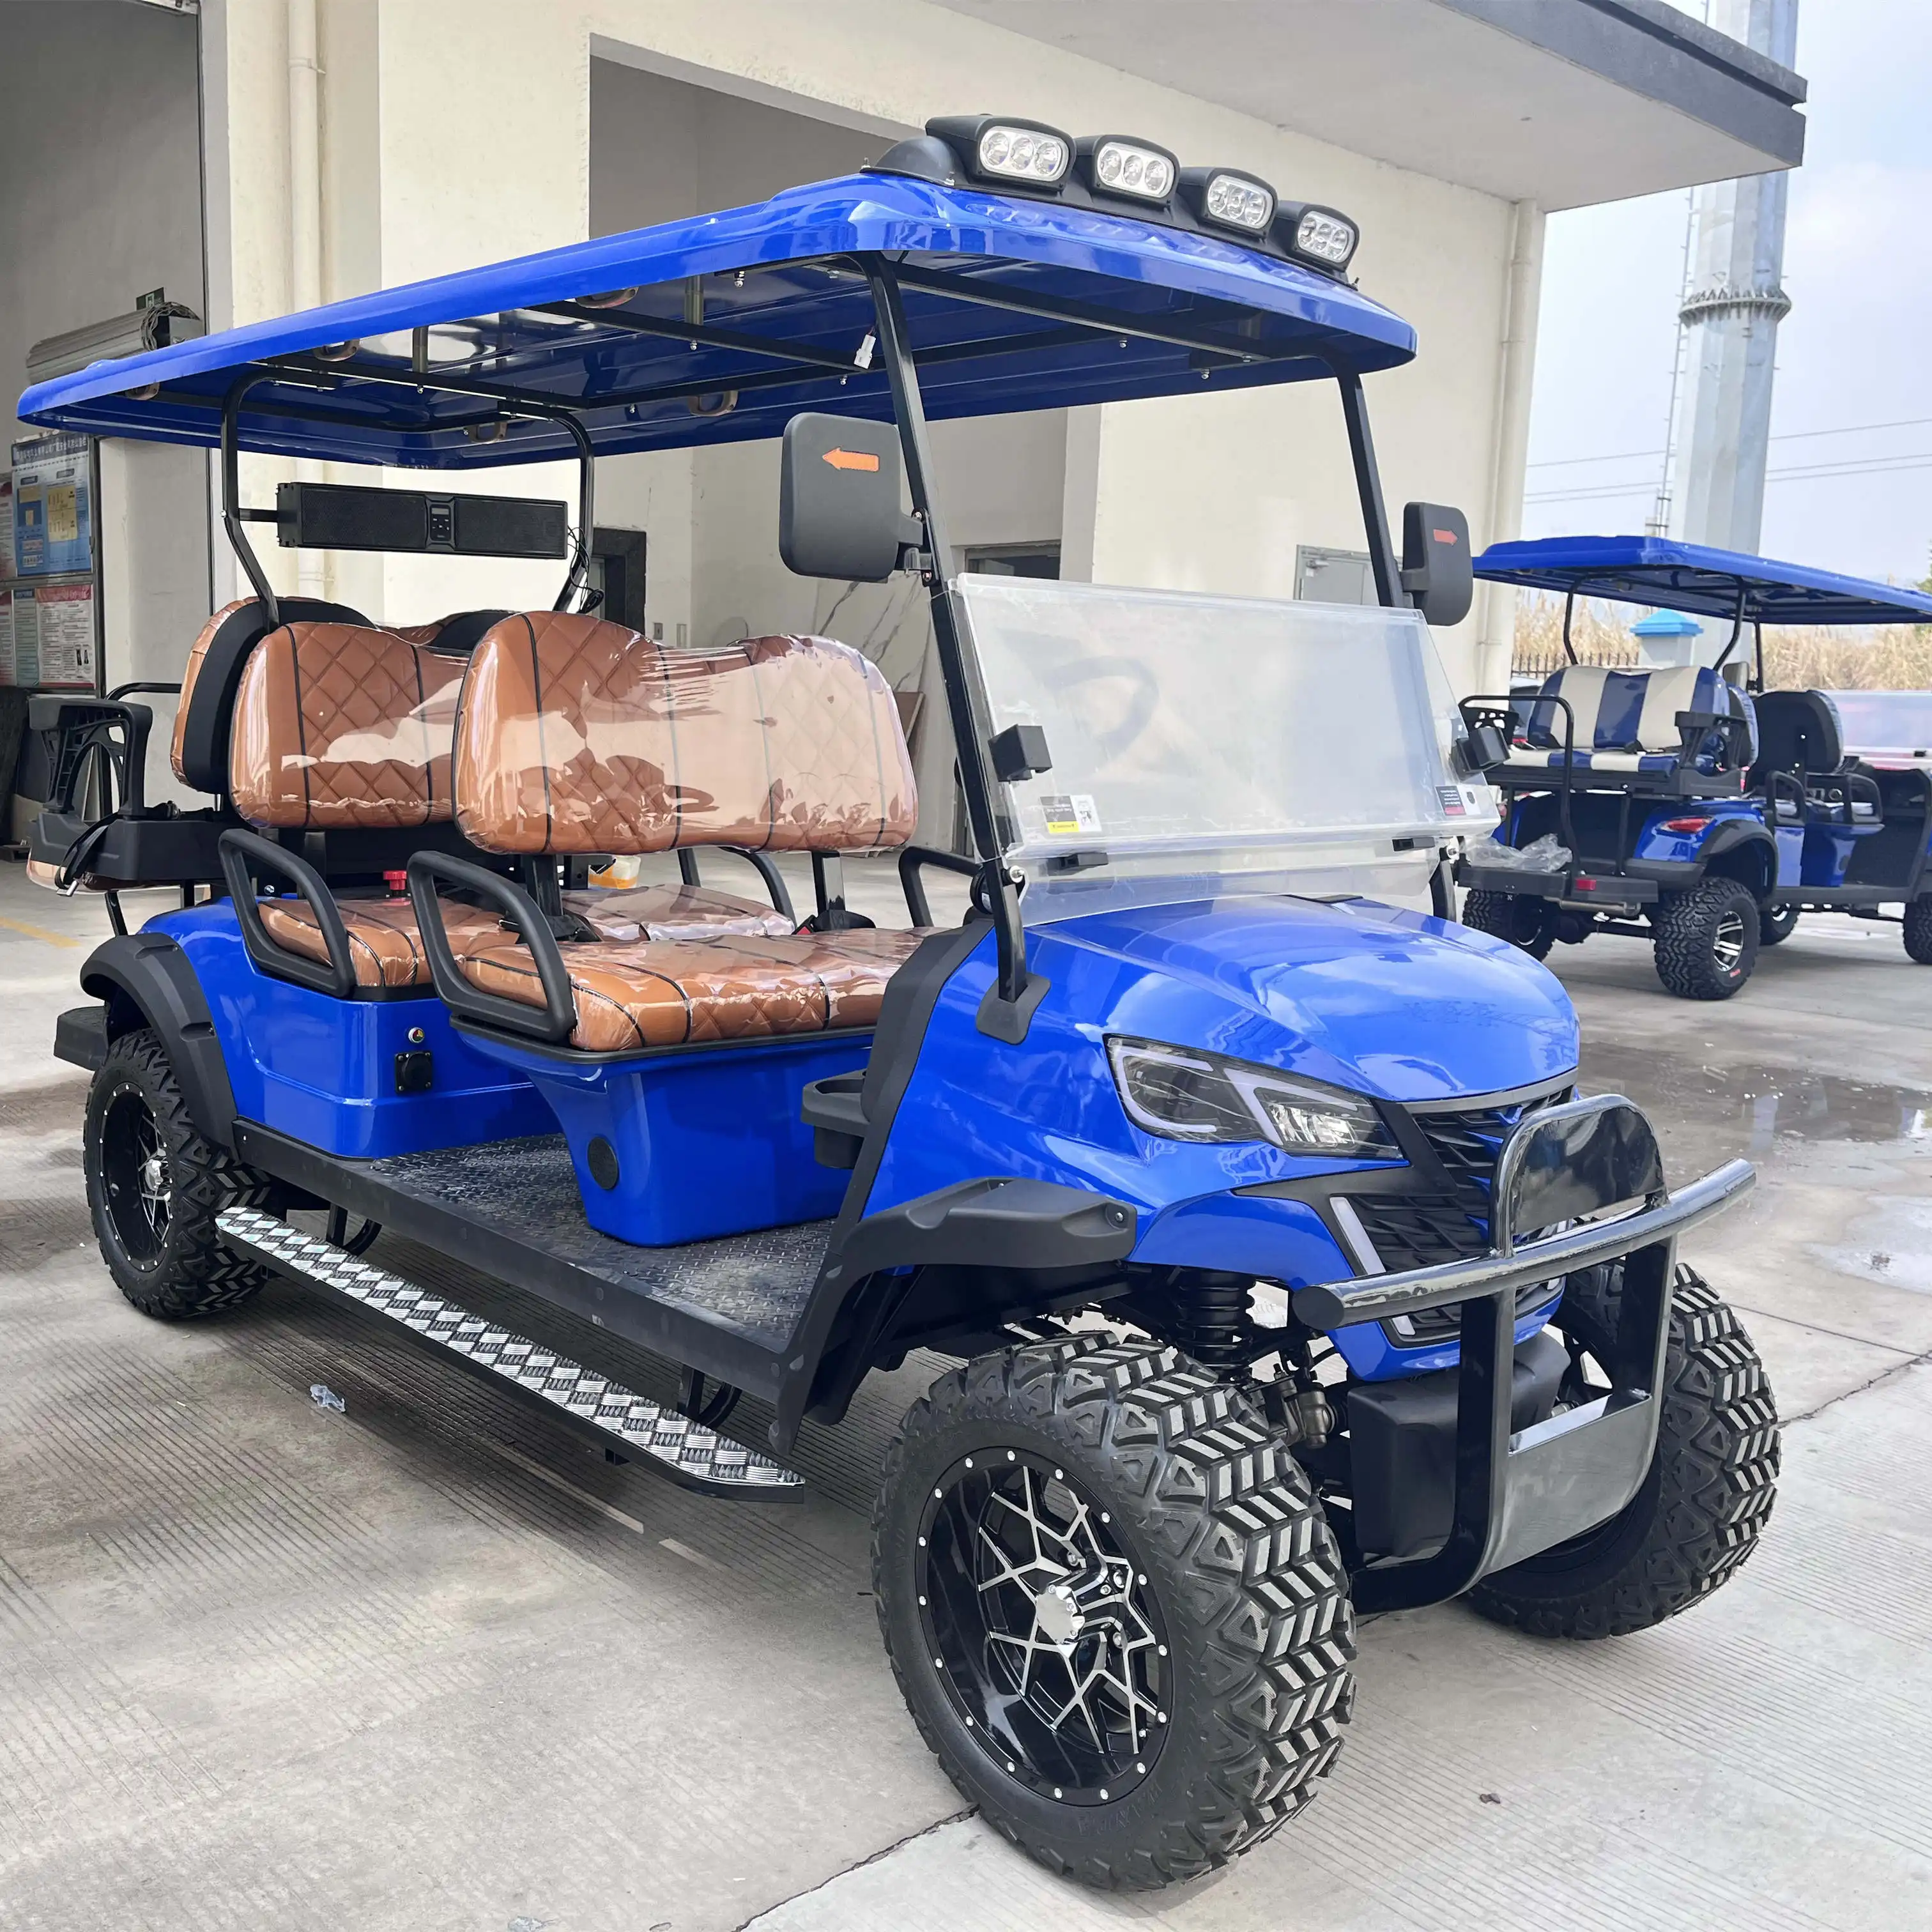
145 980
1734 835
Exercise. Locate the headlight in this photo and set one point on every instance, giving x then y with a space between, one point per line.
1183 1094
996 149
1230 200
1317 235
1114 164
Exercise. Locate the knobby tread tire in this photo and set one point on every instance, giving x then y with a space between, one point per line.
1501 915
197 1273
1774 928
1918 931
1686 925
1702 1509
1252 1586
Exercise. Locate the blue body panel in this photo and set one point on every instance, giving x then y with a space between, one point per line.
705 1143
323 1070
1384 1002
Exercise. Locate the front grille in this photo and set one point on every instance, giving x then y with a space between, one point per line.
1429 1225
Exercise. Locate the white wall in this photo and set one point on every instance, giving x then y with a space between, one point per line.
100 165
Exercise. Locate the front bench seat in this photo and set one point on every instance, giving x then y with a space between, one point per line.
339 725
577 736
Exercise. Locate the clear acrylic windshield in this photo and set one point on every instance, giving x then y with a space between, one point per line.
1215 734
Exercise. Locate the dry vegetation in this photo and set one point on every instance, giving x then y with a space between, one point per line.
1887 657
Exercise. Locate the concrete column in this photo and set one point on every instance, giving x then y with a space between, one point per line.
1732 308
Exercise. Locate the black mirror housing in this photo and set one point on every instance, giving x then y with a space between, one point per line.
1437 569
838 498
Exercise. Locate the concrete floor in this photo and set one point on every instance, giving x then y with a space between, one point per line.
429 1664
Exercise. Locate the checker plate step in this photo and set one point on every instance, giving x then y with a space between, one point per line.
663 1440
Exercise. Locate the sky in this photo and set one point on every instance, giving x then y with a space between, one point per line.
1854 353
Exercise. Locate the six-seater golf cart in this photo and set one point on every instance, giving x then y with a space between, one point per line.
1292 1276
1671 804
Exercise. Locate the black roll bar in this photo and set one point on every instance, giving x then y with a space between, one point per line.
965 696
1382 558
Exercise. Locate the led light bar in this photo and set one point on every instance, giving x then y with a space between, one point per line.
1123 165
1316 234
1230 199
1001 148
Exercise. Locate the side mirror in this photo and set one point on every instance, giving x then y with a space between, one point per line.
1437 570
838 500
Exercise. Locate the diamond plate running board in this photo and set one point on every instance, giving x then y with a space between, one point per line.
663 1441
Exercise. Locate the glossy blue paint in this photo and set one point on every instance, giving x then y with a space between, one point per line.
1392 1003
323 1070
707 1143
1682 847
1693 577
757 262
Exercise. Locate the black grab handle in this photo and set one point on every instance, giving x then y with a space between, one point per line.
245 854
556 1021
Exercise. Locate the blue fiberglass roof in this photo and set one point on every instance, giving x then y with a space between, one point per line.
1206 313
1689 577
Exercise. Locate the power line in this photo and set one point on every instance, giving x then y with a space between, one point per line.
1814 473
1786 436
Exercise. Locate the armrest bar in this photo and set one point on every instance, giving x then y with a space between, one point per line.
913 859
245 854
556 1019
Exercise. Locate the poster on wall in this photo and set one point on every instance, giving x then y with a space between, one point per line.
53 508
46 642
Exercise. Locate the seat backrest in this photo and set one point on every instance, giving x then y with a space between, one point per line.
579 736
339 725
1799 732
205 713
1626 710
460 632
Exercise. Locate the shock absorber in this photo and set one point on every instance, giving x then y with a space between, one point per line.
1203 1312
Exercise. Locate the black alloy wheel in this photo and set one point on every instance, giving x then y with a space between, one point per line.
136 1177
1051 1646
1775 925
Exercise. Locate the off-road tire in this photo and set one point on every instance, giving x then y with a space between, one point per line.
1690 926
1775 927
1918 931
1709 1494
1210 1503
189 1271
1529 923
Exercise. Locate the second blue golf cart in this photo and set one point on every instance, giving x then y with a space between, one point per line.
1286 1272
1686 805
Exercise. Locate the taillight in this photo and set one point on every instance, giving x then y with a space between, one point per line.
1683 824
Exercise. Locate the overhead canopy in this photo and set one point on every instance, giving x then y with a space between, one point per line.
1711 583
1011 304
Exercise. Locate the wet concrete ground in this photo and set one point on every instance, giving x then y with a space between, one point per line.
429 1664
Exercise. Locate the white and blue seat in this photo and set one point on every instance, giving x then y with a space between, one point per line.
1623 723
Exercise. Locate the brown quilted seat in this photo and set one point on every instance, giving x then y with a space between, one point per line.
386 945
580 735
686 992
339 725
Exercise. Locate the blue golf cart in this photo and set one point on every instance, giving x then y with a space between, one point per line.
1686 805
1290 1274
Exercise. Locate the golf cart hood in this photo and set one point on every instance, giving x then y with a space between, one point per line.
1356 993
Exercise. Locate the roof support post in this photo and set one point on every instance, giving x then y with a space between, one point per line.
965 700
231 493
1369 486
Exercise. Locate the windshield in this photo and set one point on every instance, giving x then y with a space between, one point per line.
1885 721
1217 734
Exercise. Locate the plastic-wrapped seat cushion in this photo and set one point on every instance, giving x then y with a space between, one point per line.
577 736
686 992
1626 721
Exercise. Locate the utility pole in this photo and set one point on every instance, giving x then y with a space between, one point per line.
1734 300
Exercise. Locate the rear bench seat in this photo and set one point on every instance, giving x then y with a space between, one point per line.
1626 721
577 736
344 725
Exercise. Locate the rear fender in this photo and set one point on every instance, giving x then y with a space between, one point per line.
145 980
